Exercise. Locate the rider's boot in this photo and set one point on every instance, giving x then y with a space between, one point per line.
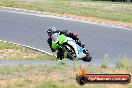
59 56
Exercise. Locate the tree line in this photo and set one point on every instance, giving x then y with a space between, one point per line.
118 0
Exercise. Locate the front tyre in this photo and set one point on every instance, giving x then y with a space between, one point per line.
70 56
70 53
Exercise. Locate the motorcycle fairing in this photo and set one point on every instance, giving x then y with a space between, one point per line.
77 48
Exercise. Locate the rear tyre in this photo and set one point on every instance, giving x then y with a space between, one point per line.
88 58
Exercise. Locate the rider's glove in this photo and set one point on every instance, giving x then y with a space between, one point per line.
49 41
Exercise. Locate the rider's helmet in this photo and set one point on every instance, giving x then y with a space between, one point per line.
50 31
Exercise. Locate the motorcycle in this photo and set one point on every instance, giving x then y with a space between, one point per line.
69 48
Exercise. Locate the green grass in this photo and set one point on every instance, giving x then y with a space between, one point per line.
14 52
8 46
61 75
49 84
57 76
104 10
122 62
105 61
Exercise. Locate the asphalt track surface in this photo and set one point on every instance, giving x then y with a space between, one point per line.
100 38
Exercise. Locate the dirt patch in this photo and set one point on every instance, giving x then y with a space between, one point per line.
3 83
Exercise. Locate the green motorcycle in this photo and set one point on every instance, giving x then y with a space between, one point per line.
68 48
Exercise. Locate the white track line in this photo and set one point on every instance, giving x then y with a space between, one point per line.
28 47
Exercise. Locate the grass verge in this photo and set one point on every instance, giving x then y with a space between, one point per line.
88 8
105 61
57 76
14 52
122 62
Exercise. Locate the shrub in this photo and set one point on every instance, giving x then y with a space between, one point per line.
105 61
122 62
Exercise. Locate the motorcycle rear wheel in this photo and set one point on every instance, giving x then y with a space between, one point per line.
88 58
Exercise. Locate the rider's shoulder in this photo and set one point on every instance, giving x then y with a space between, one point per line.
57 31
66 31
